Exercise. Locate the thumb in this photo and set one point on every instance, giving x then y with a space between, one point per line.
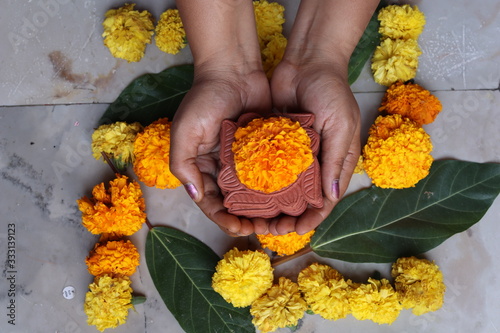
183 154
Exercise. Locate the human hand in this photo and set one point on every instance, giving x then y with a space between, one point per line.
320 87
217 94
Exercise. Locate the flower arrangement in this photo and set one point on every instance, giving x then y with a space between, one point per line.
294 173
396 58
397 156
324 291
116 212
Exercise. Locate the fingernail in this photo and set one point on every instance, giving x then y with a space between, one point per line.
191 190
335 188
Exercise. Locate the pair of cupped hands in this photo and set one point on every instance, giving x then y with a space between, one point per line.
225 90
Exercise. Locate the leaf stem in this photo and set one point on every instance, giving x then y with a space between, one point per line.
110 163
282 260
150 226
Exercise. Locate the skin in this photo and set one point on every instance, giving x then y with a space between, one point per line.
229 80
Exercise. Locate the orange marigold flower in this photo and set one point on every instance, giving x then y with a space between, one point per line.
113 257
152 155
270 153
118 210
412 101
285 244
397 154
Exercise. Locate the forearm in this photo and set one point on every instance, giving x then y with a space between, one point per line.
328 29
221 33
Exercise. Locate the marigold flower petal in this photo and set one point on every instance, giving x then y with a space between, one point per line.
419 284
269 154
273 53
376 301
269 19
113 257
281 306
285 244
397 154
108 301
395 60
325 291
119 209
243 276
401 21
116 140
170 34
412 101
152 156
127 31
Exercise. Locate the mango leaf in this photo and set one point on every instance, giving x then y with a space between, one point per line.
181 268
381 225
366 45
150 97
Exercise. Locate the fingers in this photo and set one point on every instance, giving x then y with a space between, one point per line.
212 206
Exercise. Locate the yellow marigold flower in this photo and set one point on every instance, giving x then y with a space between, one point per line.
403 21
281 306
285 244
243 276
395 60
397 154
359 166
113 257
108 301
412 101
269 154
419 284
376 301
273 53
116 140
152 155
170 35
118 210
325 291
127 31
269 18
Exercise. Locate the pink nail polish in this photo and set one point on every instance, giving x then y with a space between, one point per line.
191 190
335 188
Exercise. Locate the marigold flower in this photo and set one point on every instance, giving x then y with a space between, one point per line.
281 306
127 31
108 301
152 155
395 60
273 53
119 209
270 153
116 140
419 284
376 301
285 244
403 21
412 101
243 276
325 291
170 35
269 19
397 154
113 257
359 166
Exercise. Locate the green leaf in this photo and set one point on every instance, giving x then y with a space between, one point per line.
366 45
181 268
381 225
150 97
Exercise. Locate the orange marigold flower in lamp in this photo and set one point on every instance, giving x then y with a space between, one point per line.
267 166
285 244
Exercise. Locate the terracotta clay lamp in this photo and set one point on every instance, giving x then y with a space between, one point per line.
291 200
